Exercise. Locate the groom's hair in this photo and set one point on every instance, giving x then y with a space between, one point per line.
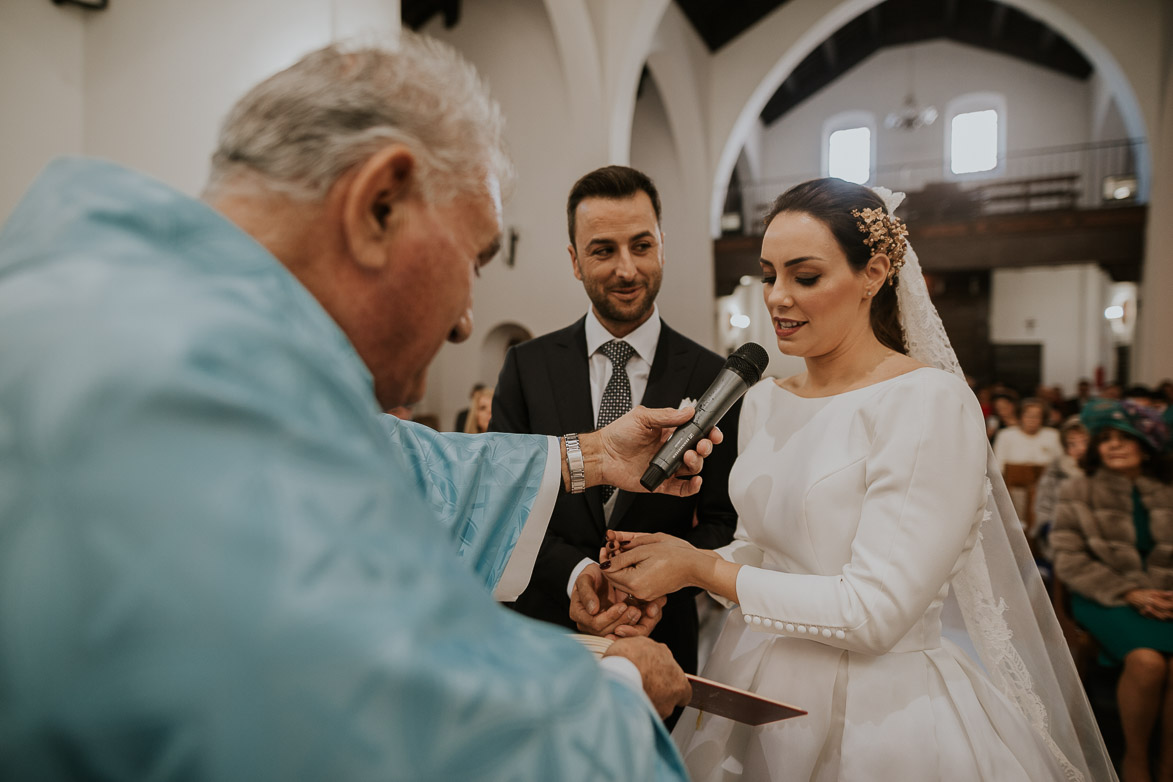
615 182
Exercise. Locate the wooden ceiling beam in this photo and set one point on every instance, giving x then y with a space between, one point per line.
949 13
998 21
830 53
1046 38
874 25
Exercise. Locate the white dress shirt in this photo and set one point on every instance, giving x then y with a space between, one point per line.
643 340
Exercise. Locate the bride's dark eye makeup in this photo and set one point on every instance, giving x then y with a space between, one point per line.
808 281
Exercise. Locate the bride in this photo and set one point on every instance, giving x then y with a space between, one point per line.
881 577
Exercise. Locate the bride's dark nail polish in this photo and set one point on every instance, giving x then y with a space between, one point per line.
605 565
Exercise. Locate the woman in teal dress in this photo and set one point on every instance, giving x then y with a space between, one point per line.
1113 541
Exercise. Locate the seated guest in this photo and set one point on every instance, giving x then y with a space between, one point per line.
1029 442
1053 396
1113 543
985 397
1166 391
480 411
1073 437
1142 395
462 416
1083 392
1005 412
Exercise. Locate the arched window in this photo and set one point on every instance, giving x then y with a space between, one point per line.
975 135
849 146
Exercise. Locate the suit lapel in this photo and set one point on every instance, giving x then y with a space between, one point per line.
666 387
571 380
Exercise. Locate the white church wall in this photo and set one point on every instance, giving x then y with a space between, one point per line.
42 76
161 75
686 297
670 116
1060 308
146 83
1043 109
539 293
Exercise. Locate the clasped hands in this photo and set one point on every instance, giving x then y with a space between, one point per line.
616 455
1153 603
624 595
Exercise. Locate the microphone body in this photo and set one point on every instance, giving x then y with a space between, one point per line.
741 370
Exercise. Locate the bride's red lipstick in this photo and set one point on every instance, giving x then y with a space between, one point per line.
784 327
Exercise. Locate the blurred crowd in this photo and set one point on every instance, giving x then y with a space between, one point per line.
1091 477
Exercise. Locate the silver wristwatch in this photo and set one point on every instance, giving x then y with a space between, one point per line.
575 464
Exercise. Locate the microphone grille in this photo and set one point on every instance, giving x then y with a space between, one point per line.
749 360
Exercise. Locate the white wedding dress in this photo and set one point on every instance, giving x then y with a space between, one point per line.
856 512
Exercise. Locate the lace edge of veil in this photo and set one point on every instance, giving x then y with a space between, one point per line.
927 342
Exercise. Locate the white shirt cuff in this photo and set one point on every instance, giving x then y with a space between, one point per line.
521 562
623 670
574 574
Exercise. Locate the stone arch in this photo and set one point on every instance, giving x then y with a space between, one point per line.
496 342
681 93
603 45
577 49
802 25
632 45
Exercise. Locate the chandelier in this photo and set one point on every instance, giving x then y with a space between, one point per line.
911 115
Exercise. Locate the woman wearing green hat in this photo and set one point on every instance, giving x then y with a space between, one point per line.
1113 541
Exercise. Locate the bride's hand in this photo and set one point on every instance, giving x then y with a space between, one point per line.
652 565
622 540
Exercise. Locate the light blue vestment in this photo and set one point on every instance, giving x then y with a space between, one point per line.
219 561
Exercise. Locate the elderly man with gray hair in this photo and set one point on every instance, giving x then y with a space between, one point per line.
218 559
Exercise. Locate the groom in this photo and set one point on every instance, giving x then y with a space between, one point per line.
583 376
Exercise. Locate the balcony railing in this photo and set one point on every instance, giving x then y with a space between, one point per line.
1085 176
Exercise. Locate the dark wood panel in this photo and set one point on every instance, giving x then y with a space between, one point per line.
1113 238
1019 366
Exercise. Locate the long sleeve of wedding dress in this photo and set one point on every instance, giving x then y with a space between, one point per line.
922 474
855 513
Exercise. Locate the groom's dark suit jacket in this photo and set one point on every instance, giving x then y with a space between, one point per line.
544 388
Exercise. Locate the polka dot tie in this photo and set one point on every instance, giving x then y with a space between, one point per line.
617 395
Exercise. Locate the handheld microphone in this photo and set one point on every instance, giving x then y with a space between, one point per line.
742 369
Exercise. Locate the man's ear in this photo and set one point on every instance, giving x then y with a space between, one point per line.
373 201
574 261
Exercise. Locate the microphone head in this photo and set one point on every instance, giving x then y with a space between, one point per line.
652 477
749 361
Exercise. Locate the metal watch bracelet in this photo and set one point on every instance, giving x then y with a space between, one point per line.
575 464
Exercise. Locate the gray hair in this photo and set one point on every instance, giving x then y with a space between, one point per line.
301 129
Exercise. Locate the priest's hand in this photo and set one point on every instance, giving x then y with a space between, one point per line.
619 453
597 608
663 679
